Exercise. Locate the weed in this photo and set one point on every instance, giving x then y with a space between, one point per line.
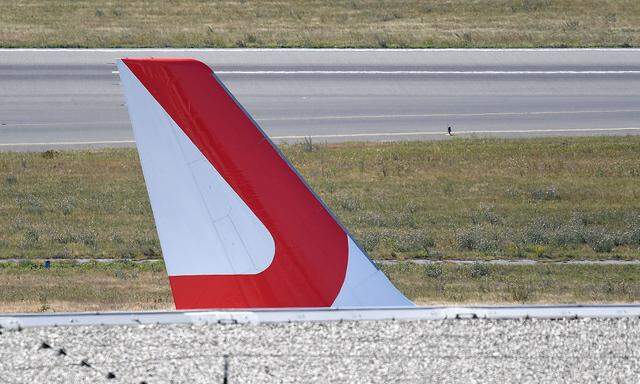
485 214
44 306
479 270
412 240
307 144
570 25
521 292
535 5
49 154
478 238
539 251
600 240
30 204
67 205
549 193
434 270
369 240
30 239
349 203
10 180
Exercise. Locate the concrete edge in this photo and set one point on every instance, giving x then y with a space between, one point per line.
260 316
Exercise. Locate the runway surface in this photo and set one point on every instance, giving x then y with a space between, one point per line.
66 98
450 351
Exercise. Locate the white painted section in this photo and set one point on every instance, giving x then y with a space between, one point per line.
358 117
19 321
420 115
70 143
455 133
203 225
366 286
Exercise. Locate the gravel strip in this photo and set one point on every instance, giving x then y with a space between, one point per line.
536 351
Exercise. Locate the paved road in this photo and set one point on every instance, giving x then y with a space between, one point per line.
452 351
73 96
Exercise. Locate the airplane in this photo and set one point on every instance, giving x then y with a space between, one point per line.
238 226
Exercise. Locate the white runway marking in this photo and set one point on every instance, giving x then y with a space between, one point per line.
354 117
534 113
347 135
432 133
64 123
67 143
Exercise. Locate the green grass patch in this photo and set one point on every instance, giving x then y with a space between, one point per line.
545 199
297 23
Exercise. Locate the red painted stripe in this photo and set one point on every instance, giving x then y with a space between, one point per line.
311 249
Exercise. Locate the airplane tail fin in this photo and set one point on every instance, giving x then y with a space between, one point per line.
238 226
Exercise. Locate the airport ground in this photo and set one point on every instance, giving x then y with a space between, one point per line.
542 199
451 351
295 23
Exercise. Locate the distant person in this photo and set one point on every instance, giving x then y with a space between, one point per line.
449 131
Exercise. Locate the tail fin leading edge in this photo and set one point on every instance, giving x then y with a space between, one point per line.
237 225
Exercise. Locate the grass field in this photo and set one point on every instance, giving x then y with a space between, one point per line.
127 286
296 23
543 199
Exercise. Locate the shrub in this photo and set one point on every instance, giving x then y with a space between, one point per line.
550 193
479 270
349 203
521 292
307 145
600 240
67 205
30 204
434 270
10 180
50 154
369 240
478 239
485 214
412 241
31 238
539 251
570 25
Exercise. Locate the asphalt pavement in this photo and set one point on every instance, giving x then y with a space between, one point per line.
72 98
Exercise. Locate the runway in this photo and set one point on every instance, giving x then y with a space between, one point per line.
72 98
444 351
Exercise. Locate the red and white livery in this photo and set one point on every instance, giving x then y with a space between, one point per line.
238 226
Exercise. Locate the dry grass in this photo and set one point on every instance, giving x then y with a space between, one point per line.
90 287
552 198
550 283
296 23
126 286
